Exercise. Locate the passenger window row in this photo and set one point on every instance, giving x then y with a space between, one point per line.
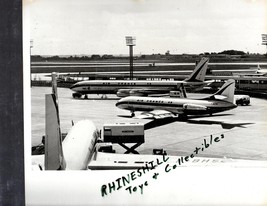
127 83
153 101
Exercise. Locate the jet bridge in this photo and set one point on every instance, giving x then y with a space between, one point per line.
124 133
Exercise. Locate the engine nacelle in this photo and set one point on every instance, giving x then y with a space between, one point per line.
130 92
123 92
138 93
194 107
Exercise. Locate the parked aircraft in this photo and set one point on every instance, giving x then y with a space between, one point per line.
252 71
125 88
158 107
59 154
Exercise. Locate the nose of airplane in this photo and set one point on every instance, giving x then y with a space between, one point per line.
120 104
75 86
72 86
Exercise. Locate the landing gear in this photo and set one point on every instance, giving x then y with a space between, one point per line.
132 114
85 96
182 116
76 95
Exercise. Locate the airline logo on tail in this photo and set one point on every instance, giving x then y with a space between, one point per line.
199 72
227 90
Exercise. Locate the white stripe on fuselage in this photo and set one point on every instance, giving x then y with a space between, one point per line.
112 85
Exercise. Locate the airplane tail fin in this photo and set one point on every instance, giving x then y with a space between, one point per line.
54 158
199 73
258 68
227 90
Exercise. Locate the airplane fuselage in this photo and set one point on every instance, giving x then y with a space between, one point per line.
79 145
140 87
175 105
113 86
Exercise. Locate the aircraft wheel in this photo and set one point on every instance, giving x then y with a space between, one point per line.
76 95
132 114
182 116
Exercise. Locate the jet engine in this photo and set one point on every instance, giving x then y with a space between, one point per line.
194 107
123 92
130 92
139 93
76 95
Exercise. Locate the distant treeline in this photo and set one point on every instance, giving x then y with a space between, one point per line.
232 52
75 57
226 55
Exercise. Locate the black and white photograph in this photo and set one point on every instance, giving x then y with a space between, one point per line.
145 102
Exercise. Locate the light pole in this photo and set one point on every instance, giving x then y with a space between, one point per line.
131 41
264 40
31 46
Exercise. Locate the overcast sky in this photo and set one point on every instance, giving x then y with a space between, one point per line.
74 27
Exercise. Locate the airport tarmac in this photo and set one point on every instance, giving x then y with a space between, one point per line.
245 128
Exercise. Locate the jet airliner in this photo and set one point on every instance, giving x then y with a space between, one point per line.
159 107
125 88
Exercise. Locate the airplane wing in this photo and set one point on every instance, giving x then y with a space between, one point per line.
157 114
139 92
191 86
109 161
174 113
114 161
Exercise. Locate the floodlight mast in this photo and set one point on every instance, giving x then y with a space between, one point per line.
31 46
131 41
264 40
